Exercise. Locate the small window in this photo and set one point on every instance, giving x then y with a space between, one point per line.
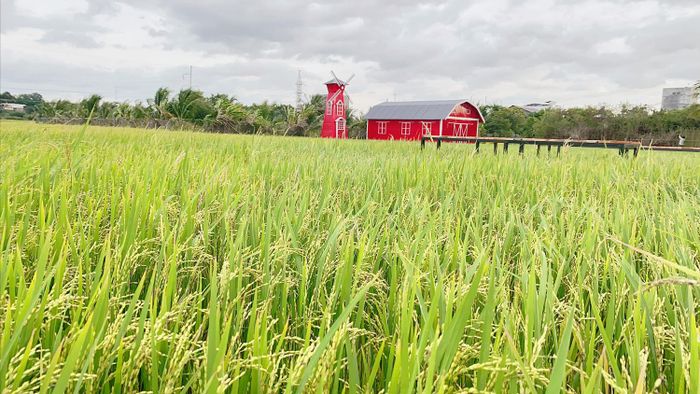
405 128
329 107
381 128
427 128
339 108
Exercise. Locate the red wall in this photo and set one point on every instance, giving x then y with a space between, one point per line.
450 127
393 129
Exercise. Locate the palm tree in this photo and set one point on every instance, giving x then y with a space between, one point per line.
183 105
122 111
228 114
89 105
312 115
138 111
159 103
294 122
264 118
106 110
357 127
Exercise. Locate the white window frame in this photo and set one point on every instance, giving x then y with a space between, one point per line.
381 128
329 107
340 126
405 128
339 108
427 128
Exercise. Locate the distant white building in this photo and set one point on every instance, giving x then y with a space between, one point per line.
534 108
12 107
678 98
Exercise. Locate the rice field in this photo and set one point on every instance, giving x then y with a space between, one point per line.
156 261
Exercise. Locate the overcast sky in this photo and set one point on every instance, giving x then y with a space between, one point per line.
574 52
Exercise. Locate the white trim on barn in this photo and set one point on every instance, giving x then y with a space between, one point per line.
456 118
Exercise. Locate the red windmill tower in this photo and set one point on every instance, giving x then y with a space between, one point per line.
335 119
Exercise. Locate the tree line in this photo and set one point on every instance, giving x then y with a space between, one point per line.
626 123
223 113
188 108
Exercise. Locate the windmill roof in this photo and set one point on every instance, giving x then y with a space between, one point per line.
332 81
415 110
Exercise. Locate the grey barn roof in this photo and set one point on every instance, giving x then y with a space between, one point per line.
414 110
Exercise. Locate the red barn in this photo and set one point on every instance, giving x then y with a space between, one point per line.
412 119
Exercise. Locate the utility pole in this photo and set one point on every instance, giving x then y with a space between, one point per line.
300 85
188 75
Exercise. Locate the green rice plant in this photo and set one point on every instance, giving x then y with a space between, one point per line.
157 261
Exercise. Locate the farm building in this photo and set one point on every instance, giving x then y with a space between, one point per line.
12 107
678 98
412 119
335 117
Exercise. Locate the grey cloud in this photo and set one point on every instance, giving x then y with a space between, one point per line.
538 47
77 39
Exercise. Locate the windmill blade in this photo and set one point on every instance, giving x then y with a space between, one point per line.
350 79
336 79
335 94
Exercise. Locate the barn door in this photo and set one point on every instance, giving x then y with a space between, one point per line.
460 129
